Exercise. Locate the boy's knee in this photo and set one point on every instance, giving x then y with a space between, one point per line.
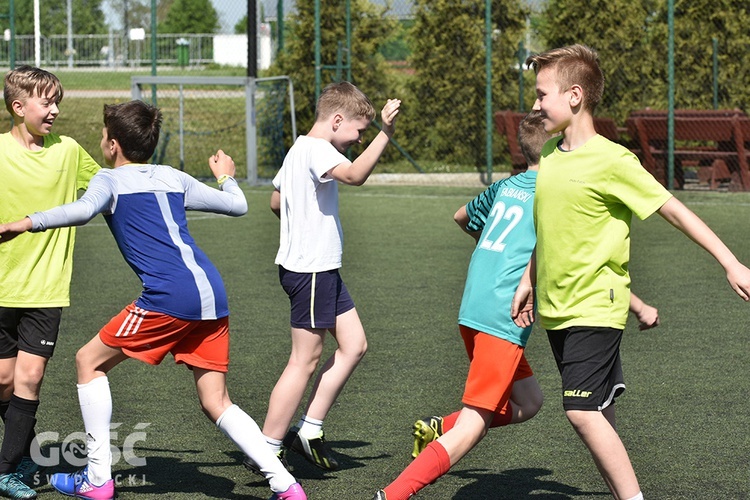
213 408
29 373
306 364
81 359
84 363
531 407
6 379
360 353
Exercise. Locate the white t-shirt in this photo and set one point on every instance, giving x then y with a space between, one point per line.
310 236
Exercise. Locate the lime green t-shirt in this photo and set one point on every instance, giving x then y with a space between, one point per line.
35 268
585 200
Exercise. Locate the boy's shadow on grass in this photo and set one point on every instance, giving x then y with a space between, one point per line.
168 476
517 483
303 470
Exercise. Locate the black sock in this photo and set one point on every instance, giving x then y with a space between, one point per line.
4 408
20 420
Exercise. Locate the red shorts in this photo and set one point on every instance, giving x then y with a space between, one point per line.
148 336
495 365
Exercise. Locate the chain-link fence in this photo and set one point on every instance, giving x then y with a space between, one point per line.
433 55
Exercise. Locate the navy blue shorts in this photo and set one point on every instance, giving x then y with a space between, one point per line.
588 359
33 330
316 298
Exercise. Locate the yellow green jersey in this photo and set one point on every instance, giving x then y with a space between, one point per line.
35 269
585 200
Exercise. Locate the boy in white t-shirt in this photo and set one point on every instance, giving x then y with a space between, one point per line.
309 257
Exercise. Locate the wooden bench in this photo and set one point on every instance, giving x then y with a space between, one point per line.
507 123
711 140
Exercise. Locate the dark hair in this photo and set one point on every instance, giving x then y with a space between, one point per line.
574 65
135 125
28 81
344 98
531 137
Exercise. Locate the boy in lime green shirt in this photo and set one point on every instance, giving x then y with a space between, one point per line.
39 170
587 190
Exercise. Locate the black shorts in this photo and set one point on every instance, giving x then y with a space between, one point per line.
588 359
316 298
32 330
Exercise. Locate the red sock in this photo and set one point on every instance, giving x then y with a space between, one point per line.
504 417
432 463
449 421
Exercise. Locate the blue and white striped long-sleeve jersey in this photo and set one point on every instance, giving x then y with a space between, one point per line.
145 208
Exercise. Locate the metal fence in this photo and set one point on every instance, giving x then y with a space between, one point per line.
115 50
252 114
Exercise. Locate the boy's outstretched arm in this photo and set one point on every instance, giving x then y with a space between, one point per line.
694 228
522 308
76 213
12 229
357 172
648 316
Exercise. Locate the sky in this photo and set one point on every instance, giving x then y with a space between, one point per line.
231 11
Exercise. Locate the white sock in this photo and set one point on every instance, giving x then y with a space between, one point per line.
275 444
96 408
639 496
310 428
245 433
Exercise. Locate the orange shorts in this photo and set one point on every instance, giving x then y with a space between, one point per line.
148 336
495 365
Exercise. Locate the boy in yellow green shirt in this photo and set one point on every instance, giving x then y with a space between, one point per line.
587 190
39 170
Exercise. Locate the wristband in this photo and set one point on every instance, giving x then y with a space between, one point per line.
223 178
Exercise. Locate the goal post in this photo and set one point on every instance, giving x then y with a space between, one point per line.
204 114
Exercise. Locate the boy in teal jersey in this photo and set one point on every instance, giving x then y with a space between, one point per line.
500 388
588 189
39 170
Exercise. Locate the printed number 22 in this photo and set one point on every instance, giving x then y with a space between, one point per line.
513 214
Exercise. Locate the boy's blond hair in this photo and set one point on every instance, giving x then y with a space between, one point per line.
531 137
27 81
575 65
344 98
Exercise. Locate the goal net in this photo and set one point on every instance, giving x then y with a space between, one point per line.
251 119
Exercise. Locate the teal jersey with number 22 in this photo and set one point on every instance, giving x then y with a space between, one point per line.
504 213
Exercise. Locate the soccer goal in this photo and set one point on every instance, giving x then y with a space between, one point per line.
251 119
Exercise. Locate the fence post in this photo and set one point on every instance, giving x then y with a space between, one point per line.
250 132
671 92
716 72
488 85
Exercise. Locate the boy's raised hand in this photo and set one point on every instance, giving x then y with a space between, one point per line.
12 229
388 115
221 164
